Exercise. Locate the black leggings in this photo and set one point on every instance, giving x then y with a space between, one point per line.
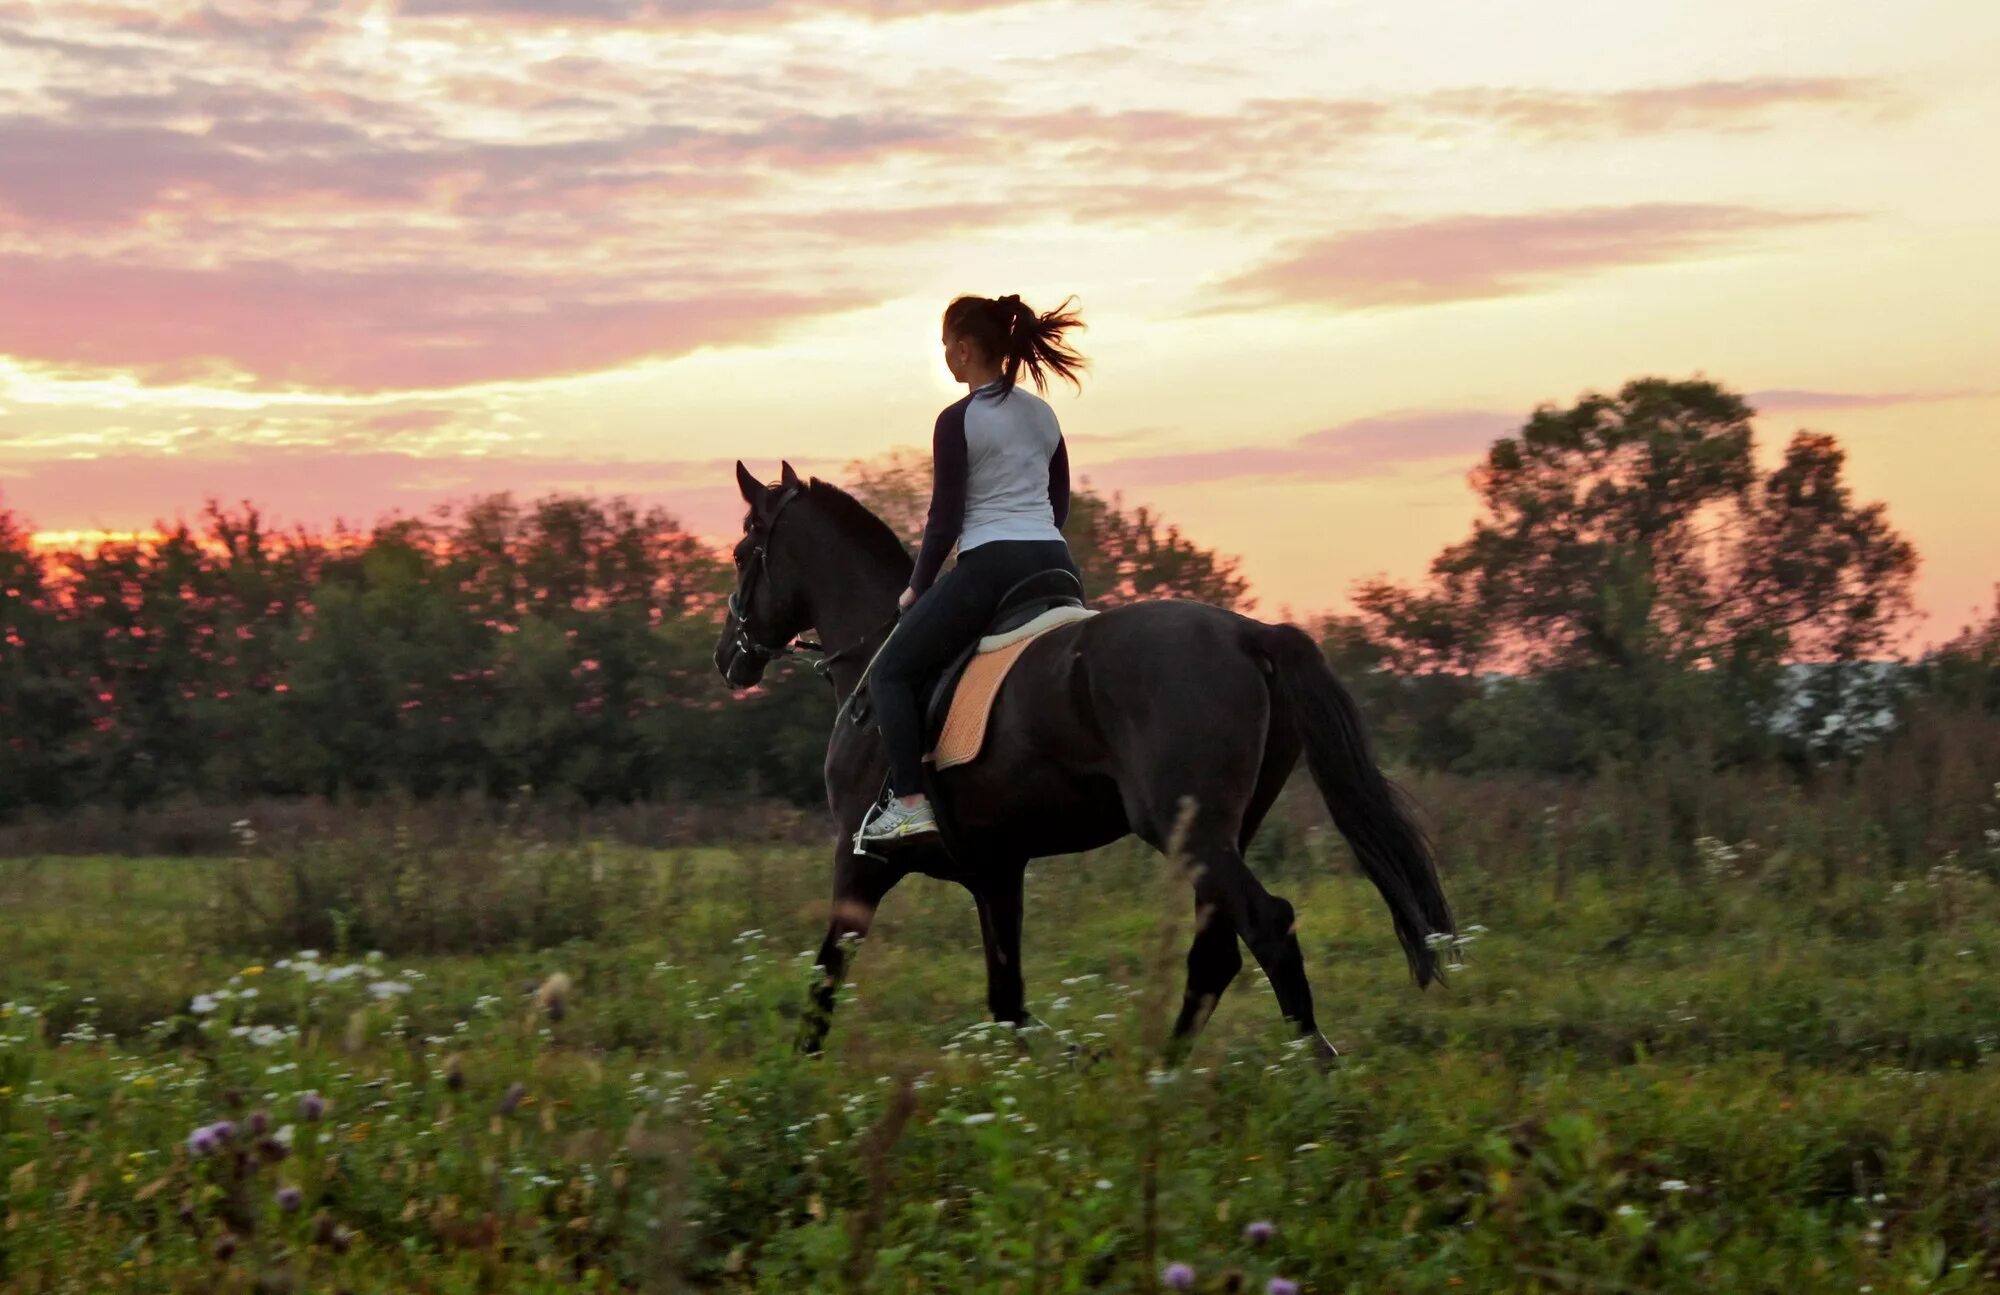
939 625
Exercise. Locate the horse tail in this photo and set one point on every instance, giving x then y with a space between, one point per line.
1370 811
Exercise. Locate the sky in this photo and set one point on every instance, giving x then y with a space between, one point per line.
346 258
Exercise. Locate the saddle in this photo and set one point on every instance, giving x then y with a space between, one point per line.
960 699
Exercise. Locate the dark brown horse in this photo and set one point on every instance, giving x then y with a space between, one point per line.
1106 726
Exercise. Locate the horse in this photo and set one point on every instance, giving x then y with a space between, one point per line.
1171 720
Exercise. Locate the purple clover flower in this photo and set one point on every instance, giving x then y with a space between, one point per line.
202 1141
1281 1286
1179 1277
312 1106
290 1198
224 1130
1259 1231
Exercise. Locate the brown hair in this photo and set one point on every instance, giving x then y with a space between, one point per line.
1009 331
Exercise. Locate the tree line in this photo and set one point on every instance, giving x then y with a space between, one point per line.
1634 587
561 646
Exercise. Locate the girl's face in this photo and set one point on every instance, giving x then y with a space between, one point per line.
960 355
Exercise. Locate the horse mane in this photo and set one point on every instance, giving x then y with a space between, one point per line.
853 518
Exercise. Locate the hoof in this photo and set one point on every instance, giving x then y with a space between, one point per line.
1324 1052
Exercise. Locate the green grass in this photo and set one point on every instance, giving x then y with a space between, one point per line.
1777 1075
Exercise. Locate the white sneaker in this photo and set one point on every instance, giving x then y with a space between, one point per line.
895 823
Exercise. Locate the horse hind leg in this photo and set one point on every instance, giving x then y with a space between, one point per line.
1212 963
1267 923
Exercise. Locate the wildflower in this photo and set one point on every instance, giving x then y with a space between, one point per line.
224 1130
225 1246
312 1106
454 1075
1281 1286
273 1150
982 1118
1259 1231
290 1198
258 1123
1178 1277
385 989
256 969
203 1141
1673 1185
203 1004
511 1101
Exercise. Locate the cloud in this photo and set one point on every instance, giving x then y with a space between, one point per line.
1748 104
687 13
399 329
1463 258
317 487
1361 448
1782 400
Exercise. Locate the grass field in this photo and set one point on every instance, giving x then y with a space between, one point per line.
571 1068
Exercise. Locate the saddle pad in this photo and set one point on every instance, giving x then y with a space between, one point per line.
964 733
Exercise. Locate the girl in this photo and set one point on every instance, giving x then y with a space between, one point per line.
1000 491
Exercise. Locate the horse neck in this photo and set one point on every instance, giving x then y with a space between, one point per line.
853 594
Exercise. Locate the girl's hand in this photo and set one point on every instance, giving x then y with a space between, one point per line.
903 603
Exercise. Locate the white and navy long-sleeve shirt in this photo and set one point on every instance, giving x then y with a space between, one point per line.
999 471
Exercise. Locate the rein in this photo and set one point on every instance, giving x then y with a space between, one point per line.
739 604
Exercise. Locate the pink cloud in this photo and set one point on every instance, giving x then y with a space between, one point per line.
1460 258
404 329
1363 447
316 487
1787 400
1702 105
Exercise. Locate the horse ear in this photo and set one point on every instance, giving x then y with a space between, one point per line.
753 489
790 479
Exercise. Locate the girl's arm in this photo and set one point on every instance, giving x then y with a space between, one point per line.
947 515
1059 482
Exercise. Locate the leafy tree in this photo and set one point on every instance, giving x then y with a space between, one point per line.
1633 558
1125 556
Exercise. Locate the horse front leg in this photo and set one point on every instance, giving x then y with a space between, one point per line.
859 883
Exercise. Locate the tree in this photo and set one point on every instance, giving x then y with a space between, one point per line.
1125 556
1633 558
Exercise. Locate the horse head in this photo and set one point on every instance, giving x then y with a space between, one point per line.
768 608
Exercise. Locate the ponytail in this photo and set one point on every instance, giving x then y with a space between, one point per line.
1008 330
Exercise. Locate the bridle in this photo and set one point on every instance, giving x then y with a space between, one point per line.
757 564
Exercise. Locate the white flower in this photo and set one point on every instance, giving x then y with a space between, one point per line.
203 1004
1306 1146
1104 1184
1673 1185
981 1118
387 988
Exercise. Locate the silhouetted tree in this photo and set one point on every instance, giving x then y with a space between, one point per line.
1634 560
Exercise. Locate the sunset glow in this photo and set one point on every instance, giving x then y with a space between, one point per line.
344 257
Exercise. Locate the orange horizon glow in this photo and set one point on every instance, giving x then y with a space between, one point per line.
349 258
